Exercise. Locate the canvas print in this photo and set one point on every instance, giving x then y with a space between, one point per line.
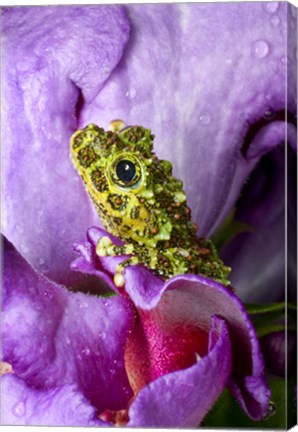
149 212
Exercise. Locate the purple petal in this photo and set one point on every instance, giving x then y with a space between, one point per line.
53 337
60 406
54 60
198 298
183 398
257 258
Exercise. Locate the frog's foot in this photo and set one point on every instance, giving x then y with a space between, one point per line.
105 247
119 279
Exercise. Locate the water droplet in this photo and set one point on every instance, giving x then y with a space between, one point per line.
86 351
102 335
260 49
284 60
131 93
229 61
268 115
43 265
19 409
275 20
126 390
205 119
67 341
268 96
19 229
112 371
115 361
48 294
271 6
24 247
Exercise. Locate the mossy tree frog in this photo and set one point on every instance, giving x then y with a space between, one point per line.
141 202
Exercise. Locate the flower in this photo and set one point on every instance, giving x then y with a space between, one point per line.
78 358
219 109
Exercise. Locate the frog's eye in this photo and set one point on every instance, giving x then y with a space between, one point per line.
126 171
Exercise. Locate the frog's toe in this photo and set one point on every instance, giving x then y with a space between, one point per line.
119 280
103 245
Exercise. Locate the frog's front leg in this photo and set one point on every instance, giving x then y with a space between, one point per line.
105 247
145 256
141 254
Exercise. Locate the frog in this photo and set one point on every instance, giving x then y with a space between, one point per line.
141 202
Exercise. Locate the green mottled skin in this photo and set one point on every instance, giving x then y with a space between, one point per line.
150 213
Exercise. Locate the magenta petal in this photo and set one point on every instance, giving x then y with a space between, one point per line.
183 398
200 298
53 337
54 59
60 406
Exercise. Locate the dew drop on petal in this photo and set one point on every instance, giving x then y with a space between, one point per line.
284 60
86 351
48 294
260 49
228 61
102 335
205 119
268 114
271 6
275 20
67 341
19 409
126 390
131 93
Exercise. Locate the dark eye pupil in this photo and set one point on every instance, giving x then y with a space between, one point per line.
126 170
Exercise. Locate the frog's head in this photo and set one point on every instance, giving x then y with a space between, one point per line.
132 189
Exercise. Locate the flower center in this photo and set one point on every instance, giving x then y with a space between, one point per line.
154 349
